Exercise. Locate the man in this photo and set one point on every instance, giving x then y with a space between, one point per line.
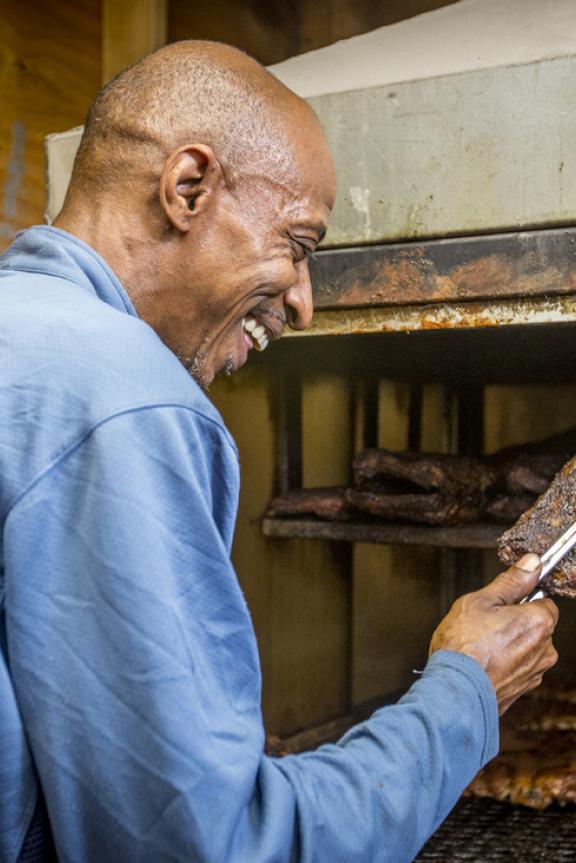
129 676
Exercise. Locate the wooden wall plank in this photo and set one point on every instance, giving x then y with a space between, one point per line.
272 30
515 415
326 431
130 30
266 30
396 606
49 74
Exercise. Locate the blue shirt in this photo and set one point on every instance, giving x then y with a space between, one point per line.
129 674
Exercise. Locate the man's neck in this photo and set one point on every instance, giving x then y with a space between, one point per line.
126 247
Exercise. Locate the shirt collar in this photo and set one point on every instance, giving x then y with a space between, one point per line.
54 252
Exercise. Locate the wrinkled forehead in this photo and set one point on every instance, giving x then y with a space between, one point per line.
302 175
291 167
314 168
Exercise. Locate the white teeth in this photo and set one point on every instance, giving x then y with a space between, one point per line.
257 332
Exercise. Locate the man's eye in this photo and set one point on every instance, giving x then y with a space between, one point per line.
299 251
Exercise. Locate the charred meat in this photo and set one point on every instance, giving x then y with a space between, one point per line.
541 525
425 471
328 503
428 488
507 508
433 509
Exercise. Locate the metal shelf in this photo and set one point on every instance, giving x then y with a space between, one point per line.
474 535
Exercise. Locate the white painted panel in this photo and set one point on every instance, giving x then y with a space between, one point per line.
60 150
470 153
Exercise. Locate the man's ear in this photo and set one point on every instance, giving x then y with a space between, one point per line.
189 181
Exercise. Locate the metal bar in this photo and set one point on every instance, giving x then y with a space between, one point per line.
364 412
415 418
288 400
370 429
461 571
524 264
470 400
448 579
475 535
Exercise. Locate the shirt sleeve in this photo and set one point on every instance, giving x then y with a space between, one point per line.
136 671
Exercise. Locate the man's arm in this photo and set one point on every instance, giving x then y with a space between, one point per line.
137 675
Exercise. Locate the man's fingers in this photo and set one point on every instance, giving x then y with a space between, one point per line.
541 617
516 583
552 657
547 660
550 607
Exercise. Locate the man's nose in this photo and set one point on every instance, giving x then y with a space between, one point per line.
298 299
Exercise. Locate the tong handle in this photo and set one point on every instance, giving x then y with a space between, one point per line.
537 593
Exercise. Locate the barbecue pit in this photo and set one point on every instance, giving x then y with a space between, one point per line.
434 188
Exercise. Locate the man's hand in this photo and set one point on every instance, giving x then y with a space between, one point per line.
513 643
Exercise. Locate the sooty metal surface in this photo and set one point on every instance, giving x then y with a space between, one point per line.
485 831
524 264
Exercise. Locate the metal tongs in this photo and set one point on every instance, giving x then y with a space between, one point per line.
550 558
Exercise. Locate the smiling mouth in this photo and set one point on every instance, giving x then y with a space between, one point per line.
257 333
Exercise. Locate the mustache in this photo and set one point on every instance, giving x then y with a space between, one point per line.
262 311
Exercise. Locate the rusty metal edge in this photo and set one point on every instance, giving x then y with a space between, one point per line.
441 316
533 263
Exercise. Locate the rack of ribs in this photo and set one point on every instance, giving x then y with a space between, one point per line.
537 761
541 525
534 768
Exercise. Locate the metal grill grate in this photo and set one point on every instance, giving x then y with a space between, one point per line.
484 831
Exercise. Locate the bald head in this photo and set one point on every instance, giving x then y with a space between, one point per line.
204 183
191 91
